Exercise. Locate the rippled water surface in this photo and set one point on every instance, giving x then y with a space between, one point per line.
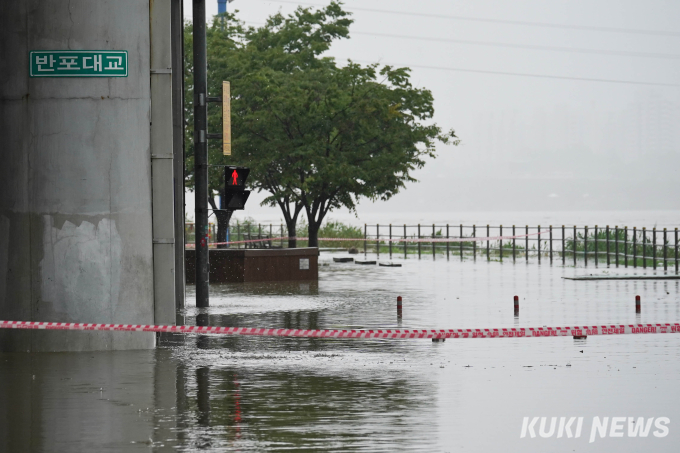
269 394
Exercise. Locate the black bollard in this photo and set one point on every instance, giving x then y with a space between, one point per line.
637 304
398 306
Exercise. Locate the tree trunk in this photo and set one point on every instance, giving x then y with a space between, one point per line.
313 233
291 225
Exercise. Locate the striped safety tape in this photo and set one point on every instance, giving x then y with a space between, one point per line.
380 333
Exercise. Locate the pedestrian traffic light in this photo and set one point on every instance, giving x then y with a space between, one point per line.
235 195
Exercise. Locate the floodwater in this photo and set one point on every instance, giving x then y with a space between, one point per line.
217 393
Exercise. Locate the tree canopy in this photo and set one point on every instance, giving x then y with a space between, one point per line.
317 136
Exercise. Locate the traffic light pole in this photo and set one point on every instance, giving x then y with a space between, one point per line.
201 154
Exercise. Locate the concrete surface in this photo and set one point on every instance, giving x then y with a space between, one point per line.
75 178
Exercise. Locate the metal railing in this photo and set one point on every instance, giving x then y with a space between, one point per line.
617 246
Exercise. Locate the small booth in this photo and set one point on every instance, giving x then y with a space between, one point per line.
257 265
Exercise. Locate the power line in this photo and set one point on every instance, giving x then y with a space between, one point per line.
619 53
498 21
527 46
522 74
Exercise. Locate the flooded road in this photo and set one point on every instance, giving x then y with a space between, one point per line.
304 394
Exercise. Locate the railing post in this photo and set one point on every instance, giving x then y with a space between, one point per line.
539 244
526 244
607 239
365 238
418 241
654 248
551 245
676 250
625 246
596 246
405 243
616 245
563 247
390 245
500 243
644 246
513 243
574 241
282 235
474 243
634 247
585 245
461 241
447 242
377 239
433 236
665 249
487 243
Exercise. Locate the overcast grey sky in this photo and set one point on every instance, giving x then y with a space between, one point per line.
530 143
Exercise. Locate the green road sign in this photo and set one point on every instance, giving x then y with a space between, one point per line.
78 63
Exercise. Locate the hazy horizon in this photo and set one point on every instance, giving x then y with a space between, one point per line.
528 143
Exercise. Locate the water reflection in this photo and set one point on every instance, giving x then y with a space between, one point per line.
224 393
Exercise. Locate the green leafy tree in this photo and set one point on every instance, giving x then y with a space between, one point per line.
317 136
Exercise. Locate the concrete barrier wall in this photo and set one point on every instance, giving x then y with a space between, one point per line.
75 177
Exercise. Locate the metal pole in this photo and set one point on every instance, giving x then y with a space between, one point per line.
654 248
377 239
563 247
501 242
201 154
513 243
177 18
365 239
634 247
419 241
405 244
616 245
676 250
447 242
281 230
461 241
644 244
574 241
474 243
390 244
238 234
625 246
596 247
433 235
551 245
585 245
487 244
526 244
539 243
607 234
665 250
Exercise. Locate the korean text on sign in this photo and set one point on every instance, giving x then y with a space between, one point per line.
78 63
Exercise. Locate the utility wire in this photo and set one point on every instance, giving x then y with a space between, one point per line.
522 74
620 53
498 21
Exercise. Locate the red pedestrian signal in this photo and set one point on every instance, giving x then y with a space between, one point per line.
235 195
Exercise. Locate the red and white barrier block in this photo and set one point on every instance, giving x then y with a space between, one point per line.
519 332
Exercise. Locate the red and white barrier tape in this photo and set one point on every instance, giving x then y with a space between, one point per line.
380 333
415 240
